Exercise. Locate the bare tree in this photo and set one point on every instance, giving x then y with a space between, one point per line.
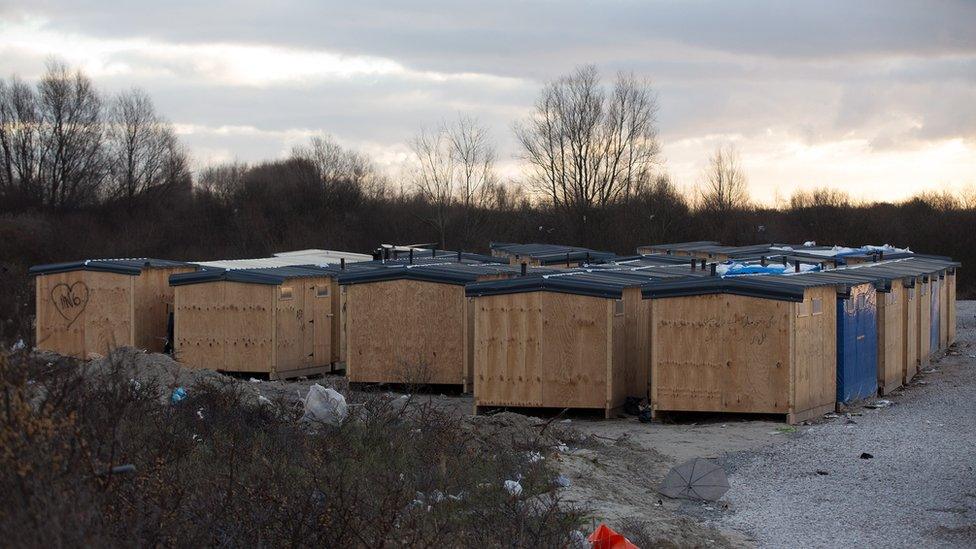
141 146
589 147
341 167
456 174
19 137
70 114
724 185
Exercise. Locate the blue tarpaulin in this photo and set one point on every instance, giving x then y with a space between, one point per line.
857 344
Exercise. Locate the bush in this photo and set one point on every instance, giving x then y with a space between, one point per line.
218 468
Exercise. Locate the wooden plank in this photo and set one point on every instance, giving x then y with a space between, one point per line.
574 351
721 353
108 316
321 306
290 325
909 331
951 308
924 322
405 331
508 349
61 300
890 344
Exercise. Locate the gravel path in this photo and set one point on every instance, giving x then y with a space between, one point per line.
814 490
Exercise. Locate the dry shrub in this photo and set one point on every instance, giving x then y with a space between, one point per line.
218 468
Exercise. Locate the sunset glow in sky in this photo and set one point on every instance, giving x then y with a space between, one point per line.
875 98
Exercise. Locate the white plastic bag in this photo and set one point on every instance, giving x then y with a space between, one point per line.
325 405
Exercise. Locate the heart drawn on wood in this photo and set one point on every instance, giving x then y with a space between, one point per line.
70 301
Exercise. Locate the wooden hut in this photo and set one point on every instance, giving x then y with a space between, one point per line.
276 321
907 288
744 345
87 308
570 340
412 323
548 255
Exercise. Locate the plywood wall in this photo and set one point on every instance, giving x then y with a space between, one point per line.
153 303
508 350
84 314
814 342
721 353
924 296
891 307
556 350
405 331
227 326
951 307
944 313
909 331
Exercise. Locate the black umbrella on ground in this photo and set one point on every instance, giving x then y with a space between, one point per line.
697 478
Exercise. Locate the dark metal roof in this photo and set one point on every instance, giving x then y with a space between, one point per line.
551 253
752 286
441 255
445 273
648 260
683 246
588 282
128 266
272 276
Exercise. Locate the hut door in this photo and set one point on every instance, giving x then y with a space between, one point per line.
320 312
934 336
857 341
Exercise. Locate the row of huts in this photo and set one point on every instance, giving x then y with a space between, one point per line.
534 326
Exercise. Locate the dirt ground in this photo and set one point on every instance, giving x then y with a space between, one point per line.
807 487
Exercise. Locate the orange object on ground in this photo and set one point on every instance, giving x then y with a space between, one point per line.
605 537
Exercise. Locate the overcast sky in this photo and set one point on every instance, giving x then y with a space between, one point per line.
877 98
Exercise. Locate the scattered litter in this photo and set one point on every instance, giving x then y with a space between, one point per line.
254 380
534 457
263 400
930 371
20 345
563 481
920 382
604 536
200 413
120 469
566 421
659 503
866 455
325 405
879 404
831 415
514 487
178 394
562 448
821 472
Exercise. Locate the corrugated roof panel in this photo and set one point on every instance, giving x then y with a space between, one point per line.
272 276
128 266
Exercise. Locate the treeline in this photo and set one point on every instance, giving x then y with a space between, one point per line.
88 176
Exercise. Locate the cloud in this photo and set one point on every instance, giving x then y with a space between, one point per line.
860 93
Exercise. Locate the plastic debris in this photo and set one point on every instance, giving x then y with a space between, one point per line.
865 455
325 405
514 487
254 380
263 400
831 415
821 472
563 481
534 457
879 404
20 345
605 537
179 394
